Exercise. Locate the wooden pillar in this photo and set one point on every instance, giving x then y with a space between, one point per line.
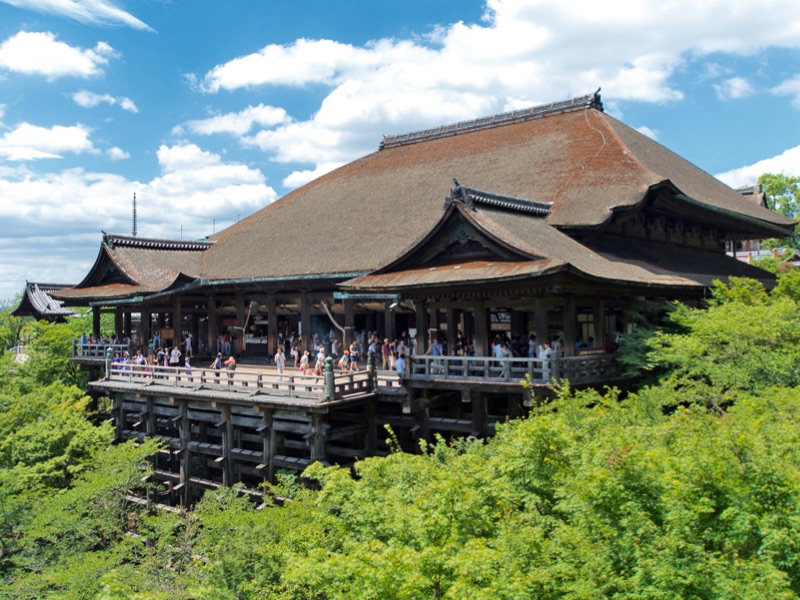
150 423
452 330
269 438
540 328
144 330
433 325
316 439
483 345
421 323
305 319
421 429
480 414
349 323
186 458
388 321
570 338
96 322
177 322
272 326
226 430
599 318
213 330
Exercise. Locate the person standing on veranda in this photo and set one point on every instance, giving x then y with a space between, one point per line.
280 362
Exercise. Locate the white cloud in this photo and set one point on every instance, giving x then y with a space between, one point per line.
787 163
91 12
31 142
39 53
238 123
298 178
118 154
60 215
733 89
525 52
90 100
790 87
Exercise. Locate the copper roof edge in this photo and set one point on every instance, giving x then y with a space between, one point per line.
515 116
127 241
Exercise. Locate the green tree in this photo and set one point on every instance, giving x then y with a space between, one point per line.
782 194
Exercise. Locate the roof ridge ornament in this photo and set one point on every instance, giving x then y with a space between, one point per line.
472 198
515 116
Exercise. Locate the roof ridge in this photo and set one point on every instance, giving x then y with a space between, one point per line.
514 116
470 197
127 241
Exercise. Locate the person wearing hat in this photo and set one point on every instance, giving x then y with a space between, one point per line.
216 365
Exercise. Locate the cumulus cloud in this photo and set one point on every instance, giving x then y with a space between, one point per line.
91 12
787 163
238 123
90 100
66 211
40 53
733 89
31 142
117 154
790 87
645 130
523 53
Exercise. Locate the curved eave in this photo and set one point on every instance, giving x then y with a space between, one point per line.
769 229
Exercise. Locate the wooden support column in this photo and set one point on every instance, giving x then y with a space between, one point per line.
421 429
150 422
349 323
316 441
127 324
421 323
213 331
226 430
269 445
540 328
480 414
177 322
452 330
388 321
305 319
433 326
570 322
241 315
599 318
483 345
96 322
185 429
144 330
272 326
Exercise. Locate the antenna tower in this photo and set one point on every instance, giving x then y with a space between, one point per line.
134 214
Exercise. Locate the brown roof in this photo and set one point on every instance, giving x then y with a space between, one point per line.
129 266
617 260
365 214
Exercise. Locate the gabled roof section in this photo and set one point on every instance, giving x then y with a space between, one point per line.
515 116
473 198
128 266
38 303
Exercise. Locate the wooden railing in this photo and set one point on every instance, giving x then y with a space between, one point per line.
577 369
96 351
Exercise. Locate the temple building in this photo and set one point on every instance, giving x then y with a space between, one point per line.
547 223
37 302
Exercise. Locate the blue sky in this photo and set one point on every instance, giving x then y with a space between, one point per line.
210 110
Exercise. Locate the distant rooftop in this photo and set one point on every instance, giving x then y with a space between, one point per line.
515 116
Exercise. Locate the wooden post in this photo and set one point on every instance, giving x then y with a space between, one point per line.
226 429
213 330
118 324
349 323
305 319
599 318
483 344
480 412
269 438
241 315
185 430
317 440
96 322
540 328
421 322
371 436
144 330
570 322
388 321
272 326
451 331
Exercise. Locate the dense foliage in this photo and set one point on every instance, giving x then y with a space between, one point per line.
688 488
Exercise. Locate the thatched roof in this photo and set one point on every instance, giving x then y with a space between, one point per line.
363 215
